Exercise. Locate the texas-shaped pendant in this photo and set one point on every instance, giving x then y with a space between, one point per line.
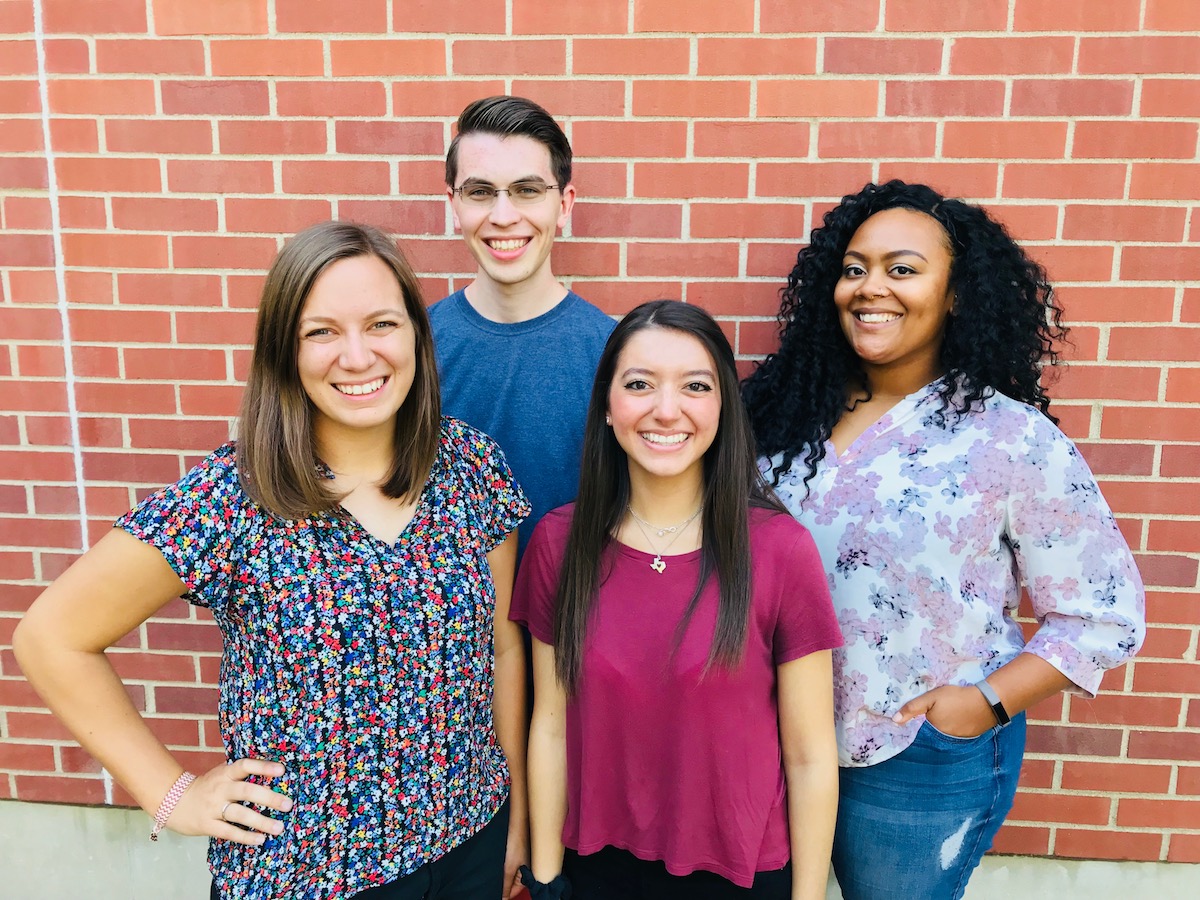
658 565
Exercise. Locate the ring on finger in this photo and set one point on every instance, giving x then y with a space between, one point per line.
225 807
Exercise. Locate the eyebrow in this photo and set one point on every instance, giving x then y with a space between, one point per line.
691 374
378 314
524 179
892 255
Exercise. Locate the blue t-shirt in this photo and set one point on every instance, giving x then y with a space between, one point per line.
527 385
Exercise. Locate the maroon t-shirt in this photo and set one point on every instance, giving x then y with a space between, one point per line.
662 762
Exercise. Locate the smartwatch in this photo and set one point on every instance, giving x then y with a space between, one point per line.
993 699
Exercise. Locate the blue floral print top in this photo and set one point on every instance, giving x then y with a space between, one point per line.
365 668
928 527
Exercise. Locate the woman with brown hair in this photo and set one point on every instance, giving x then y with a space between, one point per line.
357 553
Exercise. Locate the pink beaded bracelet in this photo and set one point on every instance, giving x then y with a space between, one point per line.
168 803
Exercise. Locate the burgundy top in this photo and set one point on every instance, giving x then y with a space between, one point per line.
661 762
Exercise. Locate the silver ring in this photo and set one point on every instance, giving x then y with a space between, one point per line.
225 807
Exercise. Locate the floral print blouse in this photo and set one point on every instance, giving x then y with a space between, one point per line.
364 667
928 528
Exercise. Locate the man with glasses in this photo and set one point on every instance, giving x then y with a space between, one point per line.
516 350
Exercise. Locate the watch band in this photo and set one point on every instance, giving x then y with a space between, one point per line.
993 699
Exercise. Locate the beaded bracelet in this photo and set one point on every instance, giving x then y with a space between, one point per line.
168 803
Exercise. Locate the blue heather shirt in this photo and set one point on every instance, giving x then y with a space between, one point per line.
527 385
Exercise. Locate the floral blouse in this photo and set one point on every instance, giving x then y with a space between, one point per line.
928 528
364 667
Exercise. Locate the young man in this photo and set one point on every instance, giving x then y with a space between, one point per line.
516 350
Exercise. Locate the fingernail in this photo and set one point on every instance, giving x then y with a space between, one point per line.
287 805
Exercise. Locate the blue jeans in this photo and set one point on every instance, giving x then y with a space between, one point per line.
915 826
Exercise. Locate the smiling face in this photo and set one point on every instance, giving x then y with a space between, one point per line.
357 353
894 295
510 243
665 405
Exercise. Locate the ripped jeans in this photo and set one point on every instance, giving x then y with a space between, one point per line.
915 826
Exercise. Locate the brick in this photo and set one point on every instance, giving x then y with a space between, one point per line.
812 18
216 326
1083 382
441 98
891 140
691 260
1183 385
84 96
509 57
816 98
756 56
1133 778
338 177
27 213
597 17
688 180
82 213
113 16
1073 741
1099 844
1071 97
1189 780
586 258
754 140
268 56
1140 55
73 136
428 176
1067 181
1124 223
115 251
387 57
1119 140
222 252
1054 807
1004 140
194 700
1147 497
882 56
164 214
1166 677
1169 98
1190 311
40 532
1166 643
1117 709
1133 812
636 139
415 217
691 98
210 17
125 467
1175 537
1076 16
699 16
40 361
329 16
29 324
26 757
1171 15
220 98
116 325
575 97
747 220
944 16
619 297
1022 840
19 97
1117 303
1009 56
59 789
220 176
769 260
283 137
467 16
736 298
646 56
174 364
976 181
21 136
209 400
27 249
20 57
632 220
1184 848
1163 570
331 98
446 255
16 17
149 56
1160 264
273 215
158 136
944 98
170 434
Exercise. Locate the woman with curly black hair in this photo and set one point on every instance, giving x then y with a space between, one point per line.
904 422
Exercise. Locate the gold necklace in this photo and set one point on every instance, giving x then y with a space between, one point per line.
675 530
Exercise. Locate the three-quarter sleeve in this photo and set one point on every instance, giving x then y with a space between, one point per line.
1085 589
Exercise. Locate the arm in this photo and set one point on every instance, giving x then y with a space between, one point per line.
60 645
547 765
810 768
508 707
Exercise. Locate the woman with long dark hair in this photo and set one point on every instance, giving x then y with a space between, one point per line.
681 742
904 422
357 552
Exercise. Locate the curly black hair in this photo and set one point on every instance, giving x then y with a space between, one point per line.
1006 326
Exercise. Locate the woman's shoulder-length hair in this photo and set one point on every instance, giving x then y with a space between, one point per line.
277 457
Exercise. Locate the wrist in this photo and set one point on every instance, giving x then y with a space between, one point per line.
994 702
167 806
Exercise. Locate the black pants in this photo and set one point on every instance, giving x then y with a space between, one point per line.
474 870
613 874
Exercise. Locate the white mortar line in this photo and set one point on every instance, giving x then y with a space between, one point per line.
60 284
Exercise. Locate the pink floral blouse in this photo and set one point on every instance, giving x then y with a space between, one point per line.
929 529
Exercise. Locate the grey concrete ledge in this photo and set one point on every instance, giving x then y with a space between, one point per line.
64 852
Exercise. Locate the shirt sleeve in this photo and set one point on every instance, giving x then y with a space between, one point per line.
807 621
497 503
536 589
1086 592
193 524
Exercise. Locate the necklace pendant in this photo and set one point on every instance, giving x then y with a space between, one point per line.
663 532
658 565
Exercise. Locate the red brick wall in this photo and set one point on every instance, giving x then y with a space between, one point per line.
189 138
